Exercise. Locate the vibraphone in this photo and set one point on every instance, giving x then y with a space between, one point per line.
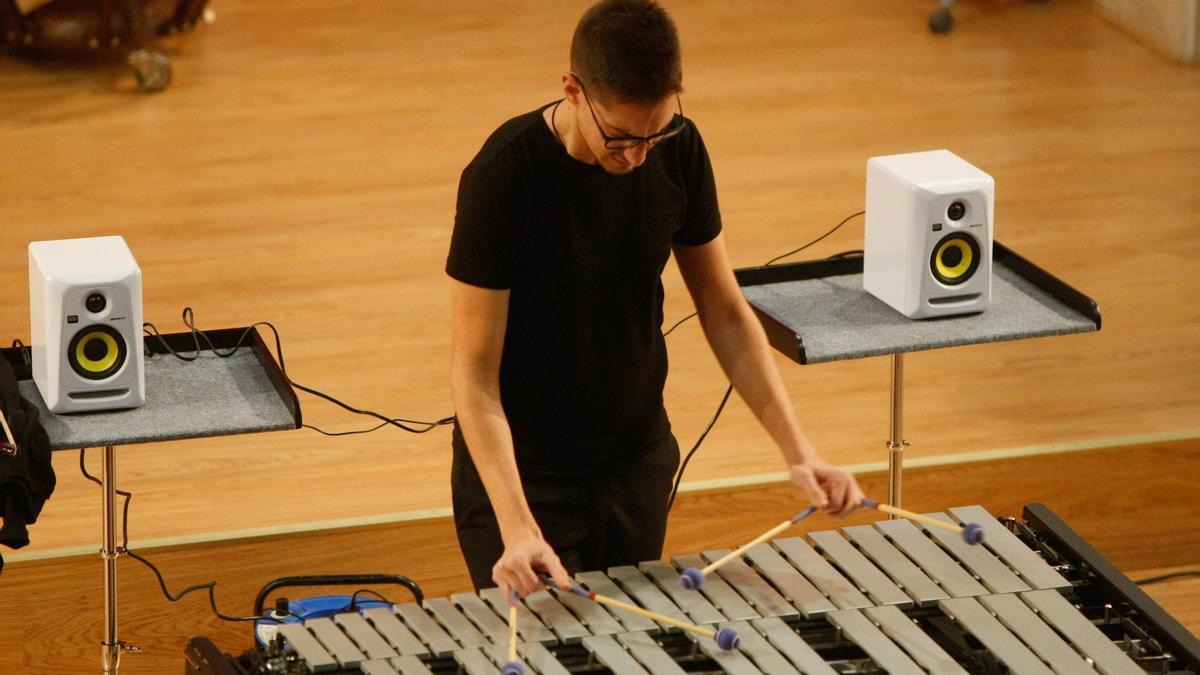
889 597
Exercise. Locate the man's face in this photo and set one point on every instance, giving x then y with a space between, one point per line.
620 120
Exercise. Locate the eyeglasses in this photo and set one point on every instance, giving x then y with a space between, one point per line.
627 142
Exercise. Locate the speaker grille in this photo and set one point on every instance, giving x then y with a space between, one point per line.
955 259
97 352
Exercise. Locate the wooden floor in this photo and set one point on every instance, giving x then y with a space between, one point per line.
302 170
52 610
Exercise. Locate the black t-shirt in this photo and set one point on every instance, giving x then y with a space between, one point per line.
584 360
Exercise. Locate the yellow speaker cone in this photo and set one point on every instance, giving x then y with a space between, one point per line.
955 259
96 352
89 345
950 251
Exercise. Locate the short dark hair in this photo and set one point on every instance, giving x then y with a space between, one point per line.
628 51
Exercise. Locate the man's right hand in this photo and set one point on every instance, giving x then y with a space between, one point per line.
523 563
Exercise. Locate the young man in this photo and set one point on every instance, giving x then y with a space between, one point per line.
563 454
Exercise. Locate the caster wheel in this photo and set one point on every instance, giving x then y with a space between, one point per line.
941 21
152 69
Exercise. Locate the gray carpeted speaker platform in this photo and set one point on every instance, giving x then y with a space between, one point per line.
833 318
210 396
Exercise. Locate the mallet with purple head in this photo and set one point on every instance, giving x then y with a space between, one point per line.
972 533
693 577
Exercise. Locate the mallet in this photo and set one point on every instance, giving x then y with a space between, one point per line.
692 578
726 638
972 533
512 667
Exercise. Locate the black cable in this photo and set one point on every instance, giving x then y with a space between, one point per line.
835 229
377 427
353 606
678 324
1165 577
189 320
176 597
696 446
724 399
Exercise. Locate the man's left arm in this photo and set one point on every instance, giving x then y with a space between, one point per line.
740 345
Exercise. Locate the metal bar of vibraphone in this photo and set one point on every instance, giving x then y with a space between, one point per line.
374 645
788 643
878 587
722 596
395 632
409 665
898 567
536 655
474 662
528 626
647 651
734 662
991 571
862 632
760 651
1033 569
840 590
761 596
645 592
307 647
556 617
922 648
598 582
694 604
491 625
1025 624
594 616
932 559
993 635
427 629
793 586
377 667
608 652
341 647
460 627
1064 617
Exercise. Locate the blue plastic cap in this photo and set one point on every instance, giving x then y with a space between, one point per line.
512 668
691 579
727 639
972 533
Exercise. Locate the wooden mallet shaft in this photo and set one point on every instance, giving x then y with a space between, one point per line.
972 533
512 627
726 638
613 602
887 508
739 551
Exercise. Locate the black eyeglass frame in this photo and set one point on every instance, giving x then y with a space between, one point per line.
629 142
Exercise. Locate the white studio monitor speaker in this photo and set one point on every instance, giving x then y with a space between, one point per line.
85 311
928 244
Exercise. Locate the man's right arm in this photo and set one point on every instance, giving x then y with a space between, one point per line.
480 318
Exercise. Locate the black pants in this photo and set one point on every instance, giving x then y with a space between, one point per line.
617 516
